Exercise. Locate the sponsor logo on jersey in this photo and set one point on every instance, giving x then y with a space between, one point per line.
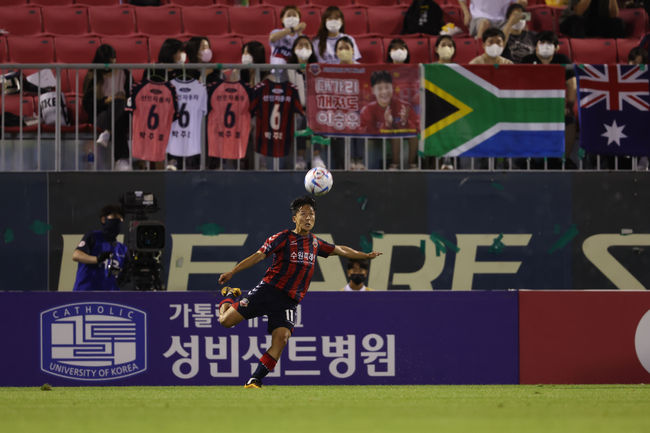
93 341
278 91
230 90
156 91
184 89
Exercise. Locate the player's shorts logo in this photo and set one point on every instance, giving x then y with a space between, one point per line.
93 341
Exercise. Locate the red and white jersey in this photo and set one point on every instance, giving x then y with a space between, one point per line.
154 109
229 119
185 137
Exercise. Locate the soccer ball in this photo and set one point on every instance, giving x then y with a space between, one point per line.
318 181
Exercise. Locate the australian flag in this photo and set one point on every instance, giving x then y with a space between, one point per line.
614 109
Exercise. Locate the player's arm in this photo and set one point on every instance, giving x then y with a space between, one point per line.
87 259
81 255
351 253
248 262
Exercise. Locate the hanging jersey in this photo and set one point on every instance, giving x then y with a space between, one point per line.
229 119
274 105
185 137
154 109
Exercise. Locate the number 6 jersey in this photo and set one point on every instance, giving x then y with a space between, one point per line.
185 138
154 109
229 119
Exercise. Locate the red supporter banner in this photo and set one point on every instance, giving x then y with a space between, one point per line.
363 100
584 337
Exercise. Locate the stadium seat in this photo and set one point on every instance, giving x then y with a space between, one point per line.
192 2
107 20
13 2
13 103
418 48
226 2
130 49
636 22
159 21
205 21
225 49
51 2
371 48
253 20
466 49
356 20
542 18
74 104
565 47
156 41
623 47
311 15
452 13
283 3
378 2
75 49
31 49
599 51
3 49
98 2
386 20
328 3
65 20
19 21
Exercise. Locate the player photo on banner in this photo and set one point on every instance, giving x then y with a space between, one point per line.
363 100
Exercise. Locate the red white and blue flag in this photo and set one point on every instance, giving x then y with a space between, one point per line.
614 109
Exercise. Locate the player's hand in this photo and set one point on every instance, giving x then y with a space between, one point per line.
301 27
374 254
103 256
388 117
225 277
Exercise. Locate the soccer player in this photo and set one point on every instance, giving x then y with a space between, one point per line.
285 283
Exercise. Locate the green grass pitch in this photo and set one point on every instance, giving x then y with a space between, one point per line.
332 409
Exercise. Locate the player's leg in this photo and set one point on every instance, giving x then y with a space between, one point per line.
228 316
279 339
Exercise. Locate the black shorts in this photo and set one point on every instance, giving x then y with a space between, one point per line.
267 300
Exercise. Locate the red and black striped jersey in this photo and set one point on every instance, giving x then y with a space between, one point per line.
294 257
154 109
274 105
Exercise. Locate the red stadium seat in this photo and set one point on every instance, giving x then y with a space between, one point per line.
4 3
3 49
311 15
192 2
156 41
31 49
253 20
452 13
599 51
542 18
205 21
226 49
98 2
18 21
418 48
65 20
378 2
356 20
623 47
226 2
159 21
636 22
51 2
130 49
327 3
386 20
107 20
371 48
565 47
466 49
73 102
75 49
284 3
13 103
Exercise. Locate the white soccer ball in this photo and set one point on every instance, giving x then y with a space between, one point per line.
318 181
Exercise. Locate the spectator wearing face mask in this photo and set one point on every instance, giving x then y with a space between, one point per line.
493 45
171 51
252 52
357 275
198 50
519 41
281 40
332 28
445 49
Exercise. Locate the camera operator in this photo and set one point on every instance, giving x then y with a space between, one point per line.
101 257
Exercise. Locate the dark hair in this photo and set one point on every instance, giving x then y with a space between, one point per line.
493 31
110 209
638 51
300 202
363 264
192 48
512 8
343 39
322 30
256 50
397 43
168 49
294 59
103 55
442 38
290 7
547 36
380 77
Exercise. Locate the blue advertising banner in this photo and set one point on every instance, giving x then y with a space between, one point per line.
70 339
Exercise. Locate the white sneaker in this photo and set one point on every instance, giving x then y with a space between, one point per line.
317 162
301 164
122 165
104 138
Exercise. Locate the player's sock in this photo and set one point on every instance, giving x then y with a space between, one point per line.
266 365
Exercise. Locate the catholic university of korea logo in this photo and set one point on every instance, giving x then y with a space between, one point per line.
93 341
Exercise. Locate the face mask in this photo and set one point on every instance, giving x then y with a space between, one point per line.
246 59
357 278
303 54
290 22
333 26
399 55
111 228
546 50
345 56
519 26
182 59
493 50
445 53
206 55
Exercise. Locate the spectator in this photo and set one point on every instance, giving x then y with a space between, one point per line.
423 16
445 49
592 19
519 41
252 52
493 44
198 50
106 90
483 14
357 275
100 256
281 40
344 49
171 51
637 56
398 53
302 51
332 28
